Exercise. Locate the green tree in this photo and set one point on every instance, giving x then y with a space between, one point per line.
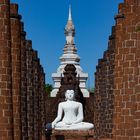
92 90
48 89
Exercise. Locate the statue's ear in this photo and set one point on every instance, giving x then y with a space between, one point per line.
65 98
66 95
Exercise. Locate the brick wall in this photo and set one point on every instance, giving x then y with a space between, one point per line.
16 68
6 127
22 80
103 104
117 95
23 84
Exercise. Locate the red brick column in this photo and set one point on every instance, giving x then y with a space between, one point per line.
23 85
36 107
5 73
135 63
42 101
104 83
136 94
117 94
127 71
118 74
22 80
30 94
16 68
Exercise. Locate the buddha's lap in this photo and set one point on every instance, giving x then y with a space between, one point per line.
77 125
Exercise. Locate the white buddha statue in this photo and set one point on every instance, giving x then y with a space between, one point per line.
73 115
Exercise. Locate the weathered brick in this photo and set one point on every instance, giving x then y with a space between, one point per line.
5 78
15 65
125 85
137 132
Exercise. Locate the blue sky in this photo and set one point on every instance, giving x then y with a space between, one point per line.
45 21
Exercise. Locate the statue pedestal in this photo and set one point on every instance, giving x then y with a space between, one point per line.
73 135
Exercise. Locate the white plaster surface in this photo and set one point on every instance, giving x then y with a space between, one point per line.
73 115
70 56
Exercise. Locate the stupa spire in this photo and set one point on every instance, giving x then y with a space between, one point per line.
69 56
70 14
69 29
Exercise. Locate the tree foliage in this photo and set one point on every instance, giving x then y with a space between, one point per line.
92 90
48 89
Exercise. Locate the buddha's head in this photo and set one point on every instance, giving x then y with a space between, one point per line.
70 95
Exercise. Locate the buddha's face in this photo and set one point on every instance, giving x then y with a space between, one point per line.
69 95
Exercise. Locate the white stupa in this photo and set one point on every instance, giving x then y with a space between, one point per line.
70 56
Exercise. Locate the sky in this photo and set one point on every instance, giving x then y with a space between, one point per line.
44 22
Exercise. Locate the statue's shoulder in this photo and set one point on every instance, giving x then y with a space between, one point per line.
62 103
80 104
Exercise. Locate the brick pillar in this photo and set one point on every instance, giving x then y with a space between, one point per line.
30 101
36 95
135 63
42 98
110 85
104 95
127 71
5 73
23 85
16 69
122 75
97 101
118 76
136 94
